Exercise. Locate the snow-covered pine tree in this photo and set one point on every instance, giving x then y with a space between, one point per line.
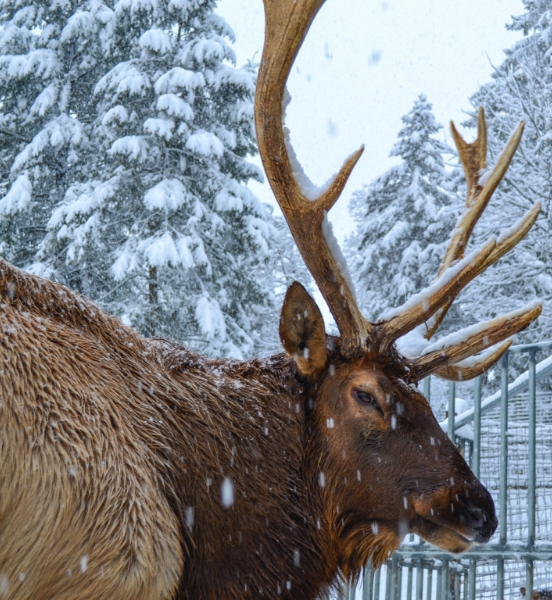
404 217
521 89
50 57
164 232
285 265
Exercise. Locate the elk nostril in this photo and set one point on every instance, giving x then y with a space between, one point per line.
481 520
475 517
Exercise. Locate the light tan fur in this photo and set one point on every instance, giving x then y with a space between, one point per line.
80 501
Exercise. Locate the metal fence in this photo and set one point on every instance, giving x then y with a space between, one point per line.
507 440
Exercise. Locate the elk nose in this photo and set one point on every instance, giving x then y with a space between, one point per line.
478 514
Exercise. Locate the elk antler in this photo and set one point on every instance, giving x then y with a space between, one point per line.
474 160
465 343
287 23
306 208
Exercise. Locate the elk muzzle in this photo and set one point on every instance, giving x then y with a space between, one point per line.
456 518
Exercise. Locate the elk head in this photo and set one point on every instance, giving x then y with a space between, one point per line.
383 463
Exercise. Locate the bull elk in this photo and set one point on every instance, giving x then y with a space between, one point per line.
132 468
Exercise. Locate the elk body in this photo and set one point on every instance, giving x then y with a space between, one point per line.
135 469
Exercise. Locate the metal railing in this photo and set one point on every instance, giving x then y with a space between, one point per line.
501 425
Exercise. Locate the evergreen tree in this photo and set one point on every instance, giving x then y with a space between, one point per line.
521 89
152 219
285 265
50 57
404 218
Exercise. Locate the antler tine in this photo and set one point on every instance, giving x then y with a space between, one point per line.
473 158
474 161
473 339
472 155
511 238
419 308
287 23
473 367
441 297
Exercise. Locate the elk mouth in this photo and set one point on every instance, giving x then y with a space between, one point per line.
454 519
450 537
446 538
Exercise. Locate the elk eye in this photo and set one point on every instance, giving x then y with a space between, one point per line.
365 397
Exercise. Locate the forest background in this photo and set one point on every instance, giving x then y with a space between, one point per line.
127 155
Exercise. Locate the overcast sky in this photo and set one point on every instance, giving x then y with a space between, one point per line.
362 66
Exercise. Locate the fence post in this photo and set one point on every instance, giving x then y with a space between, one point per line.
529 578
532 498
394 579
377 584
445 580
398 595
456 586
472 579
409 582
476 459
532 474
388 580
503 498
368 582
429 586
420 580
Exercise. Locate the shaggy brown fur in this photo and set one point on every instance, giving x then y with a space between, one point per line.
114 450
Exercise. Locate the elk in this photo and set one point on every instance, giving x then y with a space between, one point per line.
132 468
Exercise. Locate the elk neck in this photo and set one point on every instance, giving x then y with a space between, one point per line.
243 471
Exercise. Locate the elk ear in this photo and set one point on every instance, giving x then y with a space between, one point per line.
302 331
